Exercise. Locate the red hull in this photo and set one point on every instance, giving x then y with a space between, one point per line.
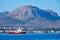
16 32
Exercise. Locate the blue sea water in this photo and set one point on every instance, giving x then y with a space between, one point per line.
30 36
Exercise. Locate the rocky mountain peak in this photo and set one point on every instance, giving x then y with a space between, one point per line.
24 12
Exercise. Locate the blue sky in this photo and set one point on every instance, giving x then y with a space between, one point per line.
9 5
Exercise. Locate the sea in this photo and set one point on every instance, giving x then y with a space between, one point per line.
30 36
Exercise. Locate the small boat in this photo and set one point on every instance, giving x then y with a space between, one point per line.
18 31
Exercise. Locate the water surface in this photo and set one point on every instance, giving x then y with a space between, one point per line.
30 36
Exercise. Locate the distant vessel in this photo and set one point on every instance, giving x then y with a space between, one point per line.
18 31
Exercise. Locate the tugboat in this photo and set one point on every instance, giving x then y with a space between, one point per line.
18 31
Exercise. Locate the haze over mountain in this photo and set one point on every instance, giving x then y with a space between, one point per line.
32 16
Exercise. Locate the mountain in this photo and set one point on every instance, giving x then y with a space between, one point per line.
24 13
31 16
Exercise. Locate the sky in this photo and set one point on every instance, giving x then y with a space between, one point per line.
9 5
